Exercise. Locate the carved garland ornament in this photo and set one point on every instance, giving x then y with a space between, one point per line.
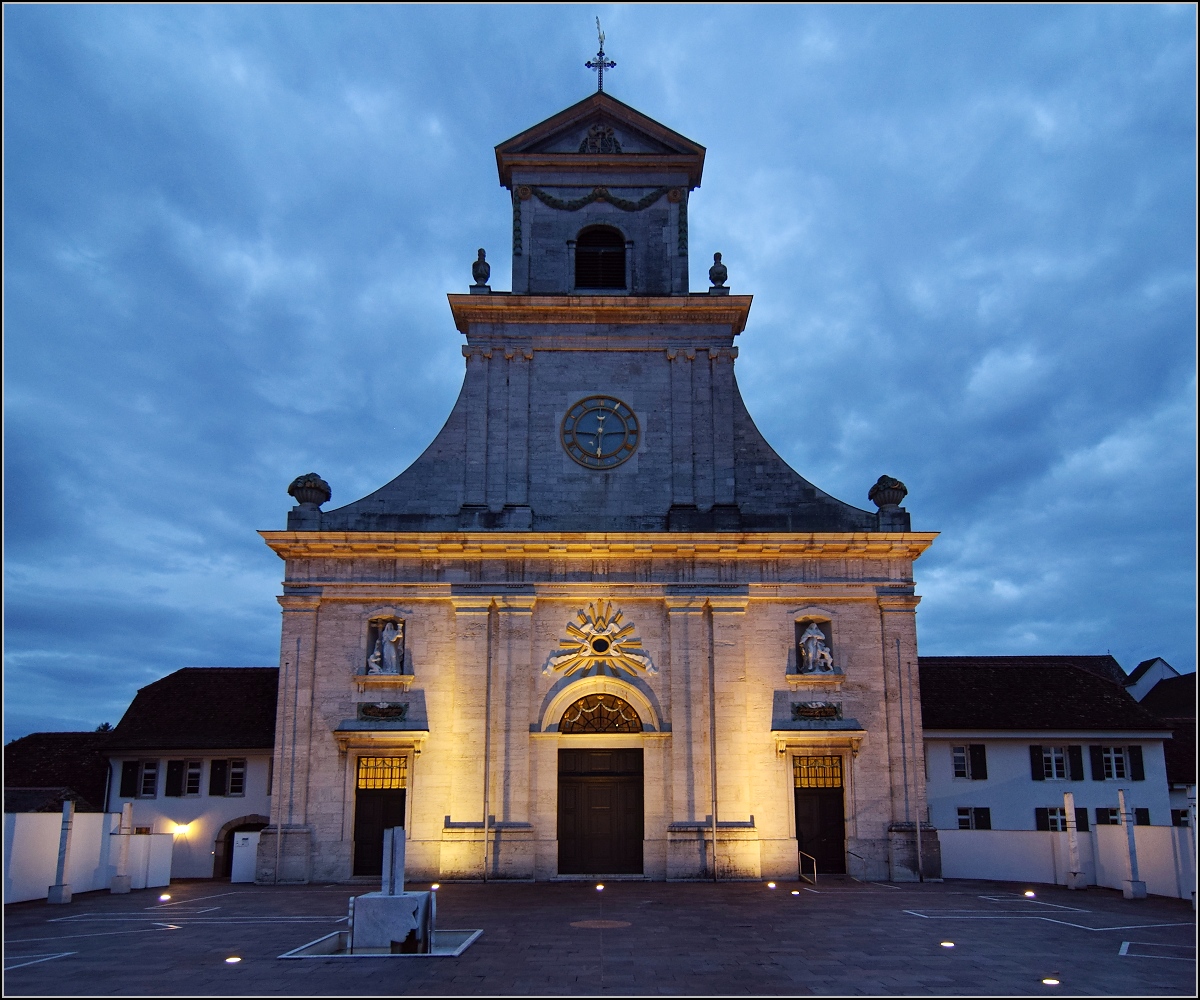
598 194
600 639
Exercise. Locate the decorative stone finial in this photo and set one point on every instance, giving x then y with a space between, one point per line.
310 489
887 492
718 274
481 270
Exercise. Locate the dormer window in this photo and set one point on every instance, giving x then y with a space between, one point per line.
600 258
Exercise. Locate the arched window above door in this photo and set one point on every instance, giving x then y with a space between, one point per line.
600 258
600 713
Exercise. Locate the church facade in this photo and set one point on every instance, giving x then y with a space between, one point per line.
599 627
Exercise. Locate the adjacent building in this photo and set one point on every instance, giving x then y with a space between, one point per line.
1007 736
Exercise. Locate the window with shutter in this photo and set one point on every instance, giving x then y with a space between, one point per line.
237 777
192 782
148 787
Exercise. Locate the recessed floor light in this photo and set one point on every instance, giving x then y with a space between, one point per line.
947 944
770 885
164 897
600 888
1030 894
1049 982
795 892
435 886
232 960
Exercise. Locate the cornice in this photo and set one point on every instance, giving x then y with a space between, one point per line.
623 164
613 310
571 545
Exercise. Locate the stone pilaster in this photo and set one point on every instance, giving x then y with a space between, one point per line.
475 463
497 432
702 429
691 808
683 491
723 395
285 847
510 794
518 428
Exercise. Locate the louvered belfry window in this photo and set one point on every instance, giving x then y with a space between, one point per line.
600 258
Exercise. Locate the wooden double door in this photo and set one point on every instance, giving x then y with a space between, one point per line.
821 827
375 810
600 812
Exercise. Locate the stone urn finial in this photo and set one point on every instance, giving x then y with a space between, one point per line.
481 270
310 489
718 274
887 492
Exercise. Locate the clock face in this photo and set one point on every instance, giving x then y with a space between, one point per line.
600 432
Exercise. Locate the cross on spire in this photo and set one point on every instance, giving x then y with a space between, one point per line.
600 64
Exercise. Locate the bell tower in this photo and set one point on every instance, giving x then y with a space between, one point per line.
600 201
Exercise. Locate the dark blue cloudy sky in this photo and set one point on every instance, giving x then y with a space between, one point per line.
229 232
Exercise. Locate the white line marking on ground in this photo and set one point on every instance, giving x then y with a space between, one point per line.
885 885
35 959
188 902
980 915
807 889
1126 953
101 918
64 937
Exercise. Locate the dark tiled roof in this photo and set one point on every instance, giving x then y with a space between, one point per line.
42 800
1024 692
66 765
1142 667
1102 666
1180 752
202 708
1172 698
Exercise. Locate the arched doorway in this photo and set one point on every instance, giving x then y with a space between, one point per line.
223 843
600 792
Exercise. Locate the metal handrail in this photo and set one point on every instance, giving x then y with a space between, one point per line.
803 877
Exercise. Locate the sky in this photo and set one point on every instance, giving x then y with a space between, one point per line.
229 232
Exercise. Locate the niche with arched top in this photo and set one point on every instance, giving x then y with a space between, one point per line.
600 258
600 713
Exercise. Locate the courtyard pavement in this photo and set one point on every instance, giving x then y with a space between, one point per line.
634 937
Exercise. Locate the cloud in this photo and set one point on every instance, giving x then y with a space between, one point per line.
970 233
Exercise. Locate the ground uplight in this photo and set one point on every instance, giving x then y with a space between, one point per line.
770 885
600 888
1049 982
435 886
1030 894
795 892
164 897
232 960
947 944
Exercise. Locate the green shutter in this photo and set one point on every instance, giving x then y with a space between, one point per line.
978 754
1041 818
1137 768
129 779
1037 768
218 777
1097 755
983 818
1081 820
1075 763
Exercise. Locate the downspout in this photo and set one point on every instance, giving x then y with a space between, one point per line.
487 734
712 732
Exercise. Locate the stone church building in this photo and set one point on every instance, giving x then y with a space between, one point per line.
599 627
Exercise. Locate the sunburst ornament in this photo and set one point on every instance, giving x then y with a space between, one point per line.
599 638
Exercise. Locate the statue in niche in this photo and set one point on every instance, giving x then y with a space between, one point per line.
816 657
387 655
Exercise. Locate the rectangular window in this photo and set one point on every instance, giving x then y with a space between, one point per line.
817 772
974 818
1107 817
1114 762
1179 817
1054 763
237 778
227 777
191 784
961 766
148 786
382 772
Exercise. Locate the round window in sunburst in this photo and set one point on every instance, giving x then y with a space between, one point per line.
600 713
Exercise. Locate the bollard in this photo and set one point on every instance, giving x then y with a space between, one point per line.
60 892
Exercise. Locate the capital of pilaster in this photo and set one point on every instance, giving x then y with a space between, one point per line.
300 598
896 599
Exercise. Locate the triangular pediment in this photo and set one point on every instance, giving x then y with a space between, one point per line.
597 127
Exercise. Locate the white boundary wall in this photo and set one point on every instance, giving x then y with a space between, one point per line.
31 854
1164 856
